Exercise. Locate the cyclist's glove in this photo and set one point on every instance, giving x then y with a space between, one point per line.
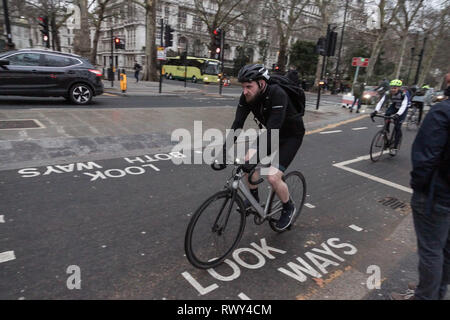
247 168
373 114
395 117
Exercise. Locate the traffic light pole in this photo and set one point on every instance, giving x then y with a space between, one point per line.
111 64
222 40
321 73
160 62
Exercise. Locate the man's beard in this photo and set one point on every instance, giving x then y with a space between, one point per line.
253 99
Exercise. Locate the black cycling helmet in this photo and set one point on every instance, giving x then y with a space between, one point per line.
253 72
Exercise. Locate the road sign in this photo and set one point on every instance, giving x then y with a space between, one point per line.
360 62
161 53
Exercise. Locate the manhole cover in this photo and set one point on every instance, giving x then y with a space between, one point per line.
19 124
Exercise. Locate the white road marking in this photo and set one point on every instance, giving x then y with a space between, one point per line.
355 227
333 131
309 205
380 126
243 296
342 165
198 151
7 256
2 219
362 128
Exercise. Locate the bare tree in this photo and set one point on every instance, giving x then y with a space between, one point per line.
325 11
405 18
286 14
387 12
439 22
82 39
221 15
55 10
98 16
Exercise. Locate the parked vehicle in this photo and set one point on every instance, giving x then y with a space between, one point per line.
45 73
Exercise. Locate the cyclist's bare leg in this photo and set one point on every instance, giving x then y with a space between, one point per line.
274 177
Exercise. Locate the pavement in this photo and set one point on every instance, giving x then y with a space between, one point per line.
132 126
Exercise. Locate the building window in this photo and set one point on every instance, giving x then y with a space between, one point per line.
182 17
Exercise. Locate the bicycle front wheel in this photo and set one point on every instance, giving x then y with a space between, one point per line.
215 230
297 192
377 146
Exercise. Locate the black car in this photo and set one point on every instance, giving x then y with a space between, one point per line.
43 73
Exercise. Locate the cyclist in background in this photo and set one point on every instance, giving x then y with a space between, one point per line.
399 102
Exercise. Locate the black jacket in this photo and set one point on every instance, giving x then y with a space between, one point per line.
274 110
430 154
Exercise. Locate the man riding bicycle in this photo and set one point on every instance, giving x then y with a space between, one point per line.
272 107
399 103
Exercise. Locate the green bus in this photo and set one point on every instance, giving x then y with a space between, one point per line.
197 69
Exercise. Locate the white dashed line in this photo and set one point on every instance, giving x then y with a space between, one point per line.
380 126
362 128
2 219
7 256
355 227
309 205
243 296
327 132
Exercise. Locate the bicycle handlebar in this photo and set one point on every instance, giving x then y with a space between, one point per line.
250 178
381 116
217 167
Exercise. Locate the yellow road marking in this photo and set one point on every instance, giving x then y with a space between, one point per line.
110 94
334 125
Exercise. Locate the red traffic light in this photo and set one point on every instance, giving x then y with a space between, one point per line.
117 40
217 50
41 19
216 32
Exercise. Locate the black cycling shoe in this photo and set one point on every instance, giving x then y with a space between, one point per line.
286 218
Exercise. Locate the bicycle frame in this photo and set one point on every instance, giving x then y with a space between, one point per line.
237 185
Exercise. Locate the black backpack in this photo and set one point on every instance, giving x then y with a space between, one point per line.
295 93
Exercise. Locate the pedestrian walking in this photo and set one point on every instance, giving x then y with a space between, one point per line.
358 89
137 68
430 181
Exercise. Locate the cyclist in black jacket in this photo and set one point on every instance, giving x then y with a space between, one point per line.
272 107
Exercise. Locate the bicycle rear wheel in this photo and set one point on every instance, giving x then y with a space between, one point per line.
377 146
297 192
215 230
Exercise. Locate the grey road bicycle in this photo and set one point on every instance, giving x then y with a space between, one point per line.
217 226
383 140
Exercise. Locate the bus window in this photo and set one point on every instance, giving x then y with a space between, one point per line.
211 68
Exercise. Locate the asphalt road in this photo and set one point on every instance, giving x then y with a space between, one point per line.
121 224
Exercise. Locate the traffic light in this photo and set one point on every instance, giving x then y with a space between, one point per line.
217 41
119 43
331 43
168 36
43 22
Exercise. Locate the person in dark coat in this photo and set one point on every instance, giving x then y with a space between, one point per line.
430 181
293 76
